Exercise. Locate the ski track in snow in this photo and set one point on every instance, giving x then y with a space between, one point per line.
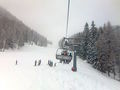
25 76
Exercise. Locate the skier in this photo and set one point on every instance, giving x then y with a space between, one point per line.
54 64
35 62
16 62
50 63
39 63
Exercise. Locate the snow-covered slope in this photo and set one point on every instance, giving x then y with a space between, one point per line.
25 76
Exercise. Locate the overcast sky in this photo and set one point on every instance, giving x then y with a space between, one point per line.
48 17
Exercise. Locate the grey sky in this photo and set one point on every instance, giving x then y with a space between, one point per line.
48 17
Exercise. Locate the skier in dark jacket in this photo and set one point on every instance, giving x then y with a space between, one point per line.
35 62
16 62
39 63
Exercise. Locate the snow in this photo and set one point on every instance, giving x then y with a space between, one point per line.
25 76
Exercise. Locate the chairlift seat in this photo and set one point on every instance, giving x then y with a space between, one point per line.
63 56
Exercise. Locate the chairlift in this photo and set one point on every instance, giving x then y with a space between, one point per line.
63 55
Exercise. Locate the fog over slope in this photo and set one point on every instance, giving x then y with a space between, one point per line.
49 16
14 33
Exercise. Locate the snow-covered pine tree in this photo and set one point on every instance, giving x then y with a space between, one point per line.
110 41
81 45
106 49
91 47
85 41
117 50
101 51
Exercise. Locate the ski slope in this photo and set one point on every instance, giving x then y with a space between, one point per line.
25 76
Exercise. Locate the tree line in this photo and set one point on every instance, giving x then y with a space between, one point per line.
14 33
100 46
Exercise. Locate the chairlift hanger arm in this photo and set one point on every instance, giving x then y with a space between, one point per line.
68 12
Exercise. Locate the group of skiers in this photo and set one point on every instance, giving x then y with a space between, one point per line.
38 63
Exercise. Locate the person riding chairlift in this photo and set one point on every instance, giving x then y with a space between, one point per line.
65 53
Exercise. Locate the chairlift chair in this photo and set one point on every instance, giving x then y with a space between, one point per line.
63 55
